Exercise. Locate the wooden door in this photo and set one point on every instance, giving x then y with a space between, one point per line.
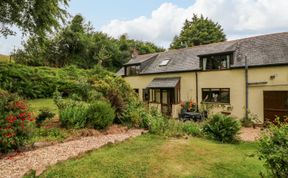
275 104
166 104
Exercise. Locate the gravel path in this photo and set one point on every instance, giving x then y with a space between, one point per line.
250 134
41 158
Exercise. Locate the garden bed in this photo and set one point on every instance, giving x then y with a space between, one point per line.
21 162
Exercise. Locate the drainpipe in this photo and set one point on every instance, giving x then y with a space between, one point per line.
196 74
246 89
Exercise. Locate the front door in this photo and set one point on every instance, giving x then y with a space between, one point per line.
166 103
275 104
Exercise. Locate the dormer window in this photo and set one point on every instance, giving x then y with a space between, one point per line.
164 62
216 61
132 70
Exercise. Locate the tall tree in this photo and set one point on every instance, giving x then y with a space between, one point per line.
198 31
34 17
78 44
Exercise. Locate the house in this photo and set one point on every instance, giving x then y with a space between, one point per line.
217 75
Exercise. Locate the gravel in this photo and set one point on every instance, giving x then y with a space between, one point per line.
250 134
40 159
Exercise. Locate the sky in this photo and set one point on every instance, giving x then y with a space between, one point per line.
158 21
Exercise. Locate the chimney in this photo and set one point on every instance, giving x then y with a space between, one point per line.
135 53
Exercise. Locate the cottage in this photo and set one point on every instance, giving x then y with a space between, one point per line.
236 77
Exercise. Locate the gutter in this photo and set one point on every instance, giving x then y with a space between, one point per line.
197 107
246 89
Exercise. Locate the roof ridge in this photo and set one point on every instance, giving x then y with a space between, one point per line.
230 41
217 43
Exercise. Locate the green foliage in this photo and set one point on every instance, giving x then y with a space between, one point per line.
79 86
160 125
42 82
78 44
136 115
15 121
273 149
46 134
73 114
198 31
4 58
100 114
79 114
222 128
192 128
49 133
252 120
115 90
158 157
44 114
32 16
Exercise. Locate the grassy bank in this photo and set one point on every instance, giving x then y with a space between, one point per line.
38 104
153 156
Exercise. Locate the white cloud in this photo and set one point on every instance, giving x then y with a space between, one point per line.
239 18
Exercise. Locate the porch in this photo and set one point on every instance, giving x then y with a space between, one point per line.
164 94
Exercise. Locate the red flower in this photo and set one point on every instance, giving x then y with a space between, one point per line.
22 115
21 105
11 118
31 119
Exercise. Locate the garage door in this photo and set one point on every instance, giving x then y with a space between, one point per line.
275 104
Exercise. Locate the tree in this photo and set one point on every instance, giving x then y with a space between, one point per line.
34 17
78 44
198 31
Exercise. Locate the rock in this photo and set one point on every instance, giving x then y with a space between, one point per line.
42 144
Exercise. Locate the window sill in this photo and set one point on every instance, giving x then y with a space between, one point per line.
211 70
215 103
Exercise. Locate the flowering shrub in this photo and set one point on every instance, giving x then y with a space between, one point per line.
14 121
188 106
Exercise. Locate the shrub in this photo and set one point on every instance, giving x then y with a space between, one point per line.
188 106
74 114
44 114
69 82
136 115
15 120
222 128
273 149
100 114
160 125
192 128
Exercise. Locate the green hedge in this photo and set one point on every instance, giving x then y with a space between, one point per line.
41 82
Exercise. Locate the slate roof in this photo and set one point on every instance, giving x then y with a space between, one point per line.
164 82
271 49
141 58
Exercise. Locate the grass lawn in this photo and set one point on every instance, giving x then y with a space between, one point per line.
37 104
154 156
4 58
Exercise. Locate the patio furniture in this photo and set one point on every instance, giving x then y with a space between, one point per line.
191 116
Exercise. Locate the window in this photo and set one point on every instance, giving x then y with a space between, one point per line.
216 62
132 70
165 95
216 95
136 90
164 62
145 94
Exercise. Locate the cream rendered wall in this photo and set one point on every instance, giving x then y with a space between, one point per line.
279 83
187 83
233 79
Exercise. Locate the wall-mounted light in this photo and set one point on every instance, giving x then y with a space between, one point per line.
272 77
